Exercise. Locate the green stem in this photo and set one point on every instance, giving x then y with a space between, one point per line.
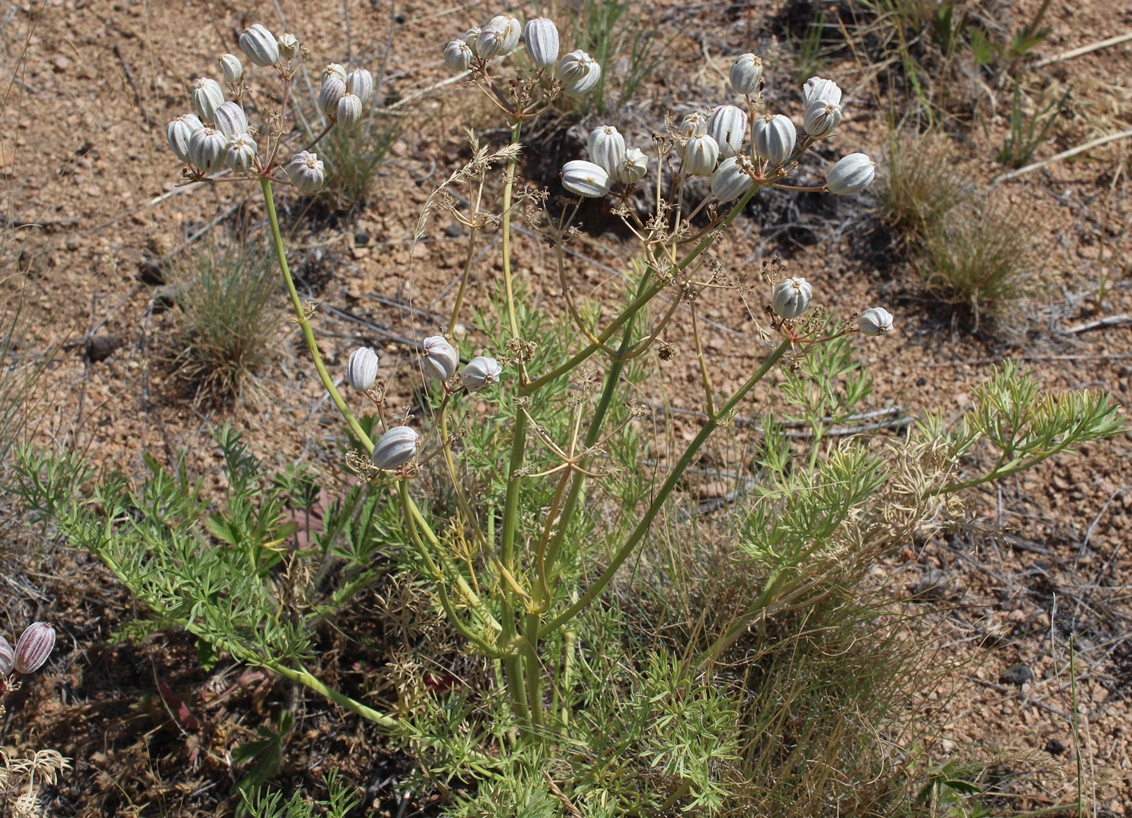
354 706
638 304
417 523
670 802
666 489
533 670
439 579
705 377
569 647
999 472
301 318
761 607
609 389
463 283
588 351
450 462
512 663
251 657
508 278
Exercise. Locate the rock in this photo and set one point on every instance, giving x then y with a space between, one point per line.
1017 675
165 298
151 271
100 347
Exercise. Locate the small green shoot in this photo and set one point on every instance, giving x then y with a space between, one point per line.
1028 132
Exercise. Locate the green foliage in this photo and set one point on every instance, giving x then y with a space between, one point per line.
1024 427
691 732
1025 40
638 724
234 590
1028 131
826 386
981 260
614 650
265 754
985 51
948 789
519 790
229 317
945 28
898 33
45 481
341 799
934 45
808 57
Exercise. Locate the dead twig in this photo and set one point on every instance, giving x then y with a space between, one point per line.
1096 143
1114 356
1110 321
1096 520
1083 50
422 93
133 85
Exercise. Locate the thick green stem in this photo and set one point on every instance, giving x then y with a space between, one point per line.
679 793
569 647
304 322
705 377
508 191
512 664
666 489
417 523
1015 466
533 670
761 607
609 389
587 352
246 655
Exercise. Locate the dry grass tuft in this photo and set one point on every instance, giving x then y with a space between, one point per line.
353 158
922 182
982 261
229 321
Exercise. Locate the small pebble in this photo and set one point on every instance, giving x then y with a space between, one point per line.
1017 675
100 347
